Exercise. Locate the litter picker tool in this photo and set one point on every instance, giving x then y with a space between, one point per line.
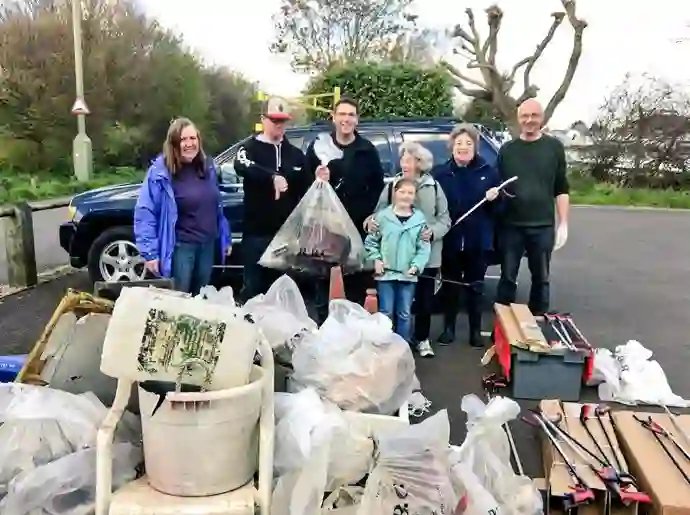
607 475
491 385
658 431
599 411
584 417
483 201
674 422
582 493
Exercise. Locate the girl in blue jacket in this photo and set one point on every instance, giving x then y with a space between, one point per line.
178 218
399 254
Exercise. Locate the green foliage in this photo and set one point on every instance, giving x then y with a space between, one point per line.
390 91
483 112
138 77
28 187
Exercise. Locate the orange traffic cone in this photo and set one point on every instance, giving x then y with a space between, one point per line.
371 302
337 286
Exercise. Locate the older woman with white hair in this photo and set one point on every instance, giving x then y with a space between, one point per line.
466 178
416 162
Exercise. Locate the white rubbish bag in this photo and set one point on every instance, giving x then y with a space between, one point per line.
356 361
486 451
282 315
301 420
411 472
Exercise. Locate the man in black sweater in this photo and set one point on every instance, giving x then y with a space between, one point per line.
529 221
357 179
274 181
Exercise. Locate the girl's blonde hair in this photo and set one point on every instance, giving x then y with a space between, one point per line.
423 156
171 148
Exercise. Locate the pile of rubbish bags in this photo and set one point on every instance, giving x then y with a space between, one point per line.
322 454
353 360
48 450
341 445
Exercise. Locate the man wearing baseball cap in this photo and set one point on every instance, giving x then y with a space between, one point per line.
274 182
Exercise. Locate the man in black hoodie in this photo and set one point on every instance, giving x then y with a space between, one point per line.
357 179
274 182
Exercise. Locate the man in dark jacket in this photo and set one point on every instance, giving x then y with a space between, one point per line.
357 179
529 221
274 181
466 179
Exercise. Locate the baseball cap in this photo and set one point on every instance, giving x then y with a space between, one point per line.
277 108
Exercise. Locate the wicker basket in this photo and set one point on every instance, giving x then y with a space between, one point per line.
79 303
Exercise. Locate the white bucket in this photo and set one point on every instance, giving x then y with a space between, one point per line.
200 444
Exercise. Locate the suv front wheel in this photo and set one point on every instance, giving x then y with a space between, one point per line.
113 257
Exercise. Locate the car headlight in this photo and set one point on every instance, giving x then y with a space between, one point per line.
73 213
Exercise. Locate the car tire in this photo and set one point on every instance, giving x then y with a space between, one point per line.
107 238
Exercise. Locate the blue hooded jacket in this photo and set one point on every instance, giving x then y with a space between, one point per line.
464 186
155 216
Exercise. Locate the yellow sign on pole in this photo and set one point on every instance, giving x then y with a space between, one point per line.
308 102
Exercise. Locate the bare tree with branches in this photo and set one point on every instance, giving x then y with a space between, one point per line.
495 85
642 135
321 33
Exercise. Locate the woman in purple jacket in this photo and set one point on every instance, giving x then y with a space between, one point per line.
179 217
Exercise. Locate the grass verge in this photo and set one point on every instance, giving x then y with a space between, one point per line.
17 188
584 190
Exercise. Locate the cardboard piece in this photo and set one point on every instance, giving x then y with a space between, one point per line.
556 471
654 470
520 328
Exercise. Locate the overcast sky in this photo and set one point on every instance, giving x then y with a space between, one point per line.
623 36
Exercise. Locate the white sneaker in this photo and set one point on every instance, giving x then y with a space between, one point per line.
425 350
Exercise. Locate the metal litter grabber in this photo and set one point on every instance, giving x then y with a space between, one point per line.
607 475
674 422
599 411
624 477
491 385
658 432
484 201
582 493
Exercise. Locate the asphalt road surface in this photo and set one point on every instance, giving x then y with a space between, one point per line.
49 254
624 274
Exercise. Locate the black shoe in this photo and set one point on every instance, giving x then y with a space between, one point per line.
447 336
476 339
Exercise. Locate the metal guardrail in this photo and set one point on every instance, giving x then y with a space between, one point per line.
19 240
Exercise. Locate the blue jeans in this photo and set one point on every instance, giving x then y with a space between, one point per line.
192 265
395 301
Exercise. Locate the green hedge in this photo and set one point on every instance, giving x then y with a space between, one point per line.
389 91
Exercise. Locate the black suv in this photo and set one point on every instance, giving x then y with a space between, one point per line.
99 235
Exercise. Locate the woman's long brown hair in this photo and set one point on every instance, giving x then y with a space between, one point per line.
171 148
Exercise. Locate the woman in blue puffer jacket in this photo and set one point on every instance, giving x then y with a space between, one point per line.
178 218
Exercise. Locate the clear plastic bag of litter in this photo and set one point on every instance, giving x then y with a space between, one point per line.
318 235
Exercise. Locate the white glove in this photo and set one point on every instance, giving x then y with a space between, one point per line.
561 236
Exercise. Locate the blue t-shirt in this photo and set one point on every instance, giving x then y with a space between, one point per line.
197 206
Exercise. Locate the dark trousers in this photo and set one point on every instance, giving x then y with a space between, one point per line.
537 243
192 265
257 279
469 267
424 304
356 286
